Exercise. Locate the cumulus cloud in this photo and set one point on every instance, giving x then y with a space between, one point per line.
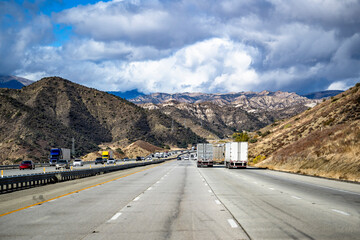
187 45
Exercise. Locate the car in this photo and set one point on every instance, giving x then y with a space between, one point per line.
138 158
99 160
111 161
52 162
186 157
126 159
78 162
178 158
149 158
27 164
62 163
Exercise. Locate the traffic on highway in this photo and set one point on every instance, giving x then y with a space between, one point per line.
178 200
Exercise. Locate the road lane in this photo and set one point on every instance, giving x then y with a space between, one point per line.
168 201
178 206
272 205
76 215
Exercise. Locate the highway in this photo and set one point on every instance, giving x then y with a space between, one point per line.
176 200
17 171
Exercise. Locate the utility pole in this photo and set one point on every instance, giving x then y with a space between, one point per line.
73 147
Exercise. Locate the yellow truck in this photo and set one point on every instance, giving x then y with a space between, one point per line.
106 155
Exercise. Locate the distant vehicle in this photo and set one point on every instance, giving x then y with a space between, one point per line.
138 158
126 159
149 158
27 165
111 161
186 157
236 155
78 162
106 155
99 160
204 155
59 153
62 163
178 158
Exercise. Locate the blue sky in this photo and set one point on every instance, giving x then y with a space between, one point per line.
184 45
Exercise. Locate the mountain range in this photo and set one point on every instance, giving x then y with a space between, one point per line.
13 82
52 111
214 116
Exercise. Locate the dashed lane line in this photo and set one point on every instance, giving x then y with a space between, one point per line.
341 212
116 216
232 223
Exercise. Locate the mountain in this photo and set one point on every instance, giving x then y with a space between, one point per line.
322 141
322 94
127 95
52 111
14 82
215 116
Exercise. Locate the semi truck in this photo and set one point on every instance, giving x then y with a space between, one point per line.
59 153
106 155
204 155
219 153
236 155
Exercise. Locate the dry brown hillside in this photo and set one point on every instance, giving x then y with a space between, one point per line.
322 141
52 111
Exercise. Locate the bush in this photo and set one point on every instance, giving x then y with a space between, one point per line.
253 140
118 150
258 158
241 137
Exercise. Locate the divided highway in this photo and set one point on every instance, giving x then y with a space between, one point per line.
176 200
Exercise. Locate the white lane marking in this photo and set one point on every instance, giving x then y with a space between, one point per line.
206 184
158 182
115 216
209 191
217 202
341 212
149 188
137 198
296 197
271 188
232 223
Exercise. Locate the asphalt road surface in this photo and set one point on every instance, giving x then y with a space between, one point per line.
176 200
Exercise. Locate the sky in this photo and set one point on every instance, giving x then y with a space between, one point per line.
172 46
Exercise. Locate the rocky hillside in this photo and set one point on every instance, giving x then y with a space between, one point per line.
322 141
48 113
215 116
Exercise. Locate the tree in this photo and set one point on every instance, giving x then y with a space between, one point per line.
241 137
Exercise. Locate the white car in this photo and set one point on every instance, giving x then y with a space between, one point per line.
78 162
110 161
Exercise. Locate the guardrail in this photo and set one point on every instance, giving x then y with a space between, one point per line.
12 183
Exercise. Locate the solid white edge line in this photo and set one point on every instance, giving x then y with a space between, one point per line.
341 212
115 216
217 202
271 188
232 223
296 197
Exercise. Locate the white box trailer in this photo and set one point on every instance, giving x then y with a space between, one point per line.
204 155
219 153
236 155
